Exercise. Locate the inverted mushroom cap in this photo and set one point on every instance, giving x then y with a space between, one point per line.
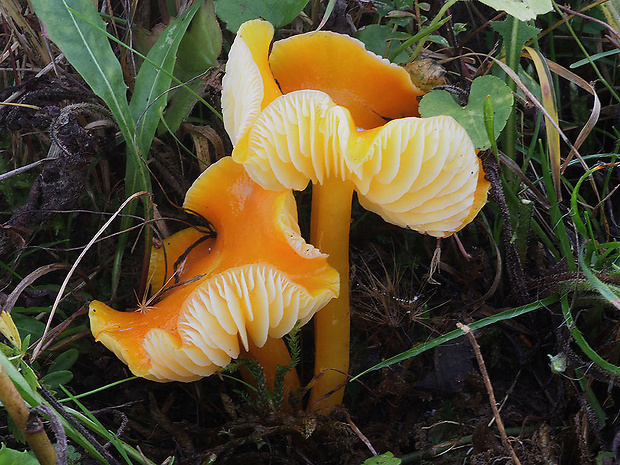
324 121
336 64
254 281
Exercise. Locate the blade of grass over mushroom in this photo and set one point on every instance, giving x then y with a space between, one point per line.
548 101
421 348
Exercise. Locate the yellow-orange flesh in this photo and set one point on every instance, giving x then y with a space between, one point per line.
371 88
346 121
254 281
330 224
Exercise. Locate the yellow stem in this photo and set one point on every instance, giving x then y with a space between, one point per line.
331 220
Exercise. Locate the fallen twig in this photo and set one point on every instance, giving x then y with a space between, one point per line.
489 387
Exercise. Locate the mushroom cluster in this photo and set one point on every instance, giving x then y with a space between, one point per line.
319 108
242 290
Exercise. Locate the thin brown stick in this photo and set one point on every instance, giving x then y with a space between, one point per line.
487 383
360 435
27 281
39 346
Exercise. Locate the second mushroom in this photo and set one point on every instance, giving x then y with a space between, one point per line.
319 108
242 290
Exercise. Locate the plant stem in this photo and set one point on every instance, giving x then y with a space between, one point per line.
512 60
330 224
19 412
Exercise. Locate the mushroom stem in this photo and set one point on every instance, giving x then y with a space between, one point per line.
273 354
330 223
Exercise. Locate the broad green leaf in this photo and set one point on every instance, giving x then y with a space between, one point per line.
56 378
154 78
201 44
198 52
471 117
13 457
523 10
514 35
27 324
236 12
378 38
64 361
81 38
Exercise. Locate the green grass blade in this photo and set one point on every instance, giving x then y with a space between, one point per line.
198 52
506 315
89 52
33 398
147 104
87 419
582 343
602 288
557 219
154 78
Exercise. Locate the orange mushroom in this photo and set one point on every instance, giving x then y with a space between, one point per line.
244 289
303 112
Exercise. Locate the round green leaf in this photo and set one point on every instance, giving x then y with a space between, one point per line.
471 117
64 361
57 378
13 457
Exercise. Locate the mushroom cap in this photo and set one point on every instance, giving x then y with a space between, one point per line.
300 113
323 60
420 173
254 281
